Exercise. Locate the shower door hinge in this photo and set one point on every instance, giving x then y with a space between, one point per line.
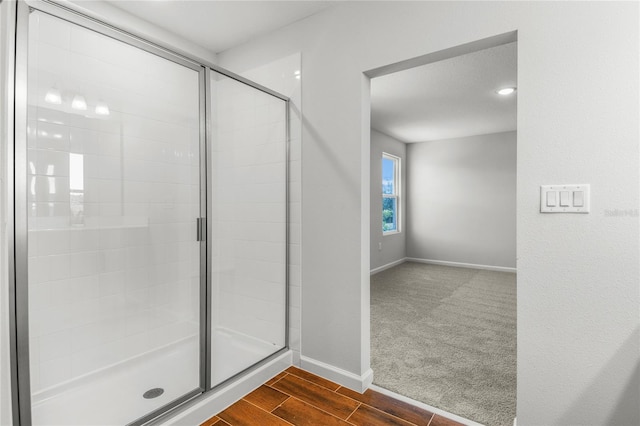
201 232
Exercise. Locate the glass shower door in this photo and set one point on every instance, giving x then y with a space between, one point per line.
113 193
248 232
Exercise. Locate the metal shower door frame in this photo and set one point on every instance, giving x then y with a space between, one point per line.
17 231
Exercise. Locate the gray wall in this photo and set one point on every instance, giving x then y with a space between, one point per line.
393 245
578 324
461 200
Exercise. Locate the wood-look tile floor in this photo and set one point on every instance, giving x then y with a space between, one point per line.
297 397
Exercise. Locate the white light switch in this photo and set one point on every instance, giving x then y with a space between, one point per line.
565 198
552 199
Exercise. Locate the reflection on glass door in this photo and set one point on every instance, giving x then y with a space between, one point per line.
248 226
113 196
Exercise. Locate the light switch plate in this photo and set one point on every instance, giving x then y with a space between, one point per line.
557 190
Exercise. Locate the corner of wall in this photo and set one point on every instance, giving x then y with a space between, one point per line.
345 378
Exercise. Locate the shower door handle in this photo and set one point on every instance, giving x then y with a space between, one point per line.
201 229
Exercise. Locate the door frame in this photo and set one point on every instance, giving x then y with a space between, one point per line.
365 155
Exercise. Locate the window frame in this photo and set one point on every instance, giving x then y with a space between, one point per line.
397 164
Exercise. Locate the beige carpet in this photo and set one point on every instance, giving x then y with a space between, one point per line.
447 337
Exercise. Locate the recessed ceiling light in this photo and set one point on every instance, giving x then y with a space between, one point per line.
506 91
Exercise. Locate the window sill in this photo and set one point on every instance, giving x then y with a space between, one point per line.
390 233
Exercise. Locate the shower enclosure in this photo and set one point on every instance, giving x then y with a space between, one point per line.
150 211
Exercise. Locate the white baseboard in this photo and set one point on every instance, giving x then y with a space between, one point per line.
462 265
387 266
204 409
338 375
424 406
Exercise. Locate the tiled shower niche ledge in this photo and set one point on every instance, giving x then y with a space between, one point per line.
94 223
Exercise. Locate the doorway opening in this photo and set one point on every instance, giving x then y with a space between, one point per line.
443 229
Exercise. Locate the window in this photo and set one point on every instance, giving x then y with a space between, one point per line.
390 194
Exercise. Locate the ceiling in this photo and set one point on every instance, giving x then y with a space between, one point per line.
219 25
448 99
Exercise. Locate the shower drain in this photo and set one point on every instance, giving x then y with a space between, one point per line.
153 393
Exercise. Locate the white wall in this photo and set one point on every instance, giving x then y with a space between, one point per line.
578 274
7 16
461 200
393 245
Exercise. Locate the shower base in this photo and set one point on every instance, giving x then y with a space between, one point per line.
234 352
115 397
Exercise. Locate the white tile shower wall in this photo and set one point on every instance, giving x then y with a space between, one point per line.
113 261
249 206
285 76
